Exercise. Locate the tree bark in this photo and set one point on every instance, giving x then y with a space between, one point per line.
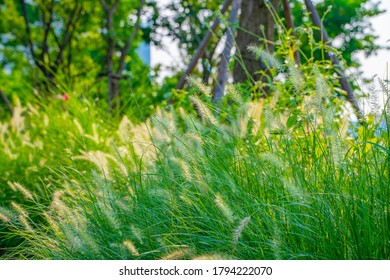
115 75
224 63
110 11
254 15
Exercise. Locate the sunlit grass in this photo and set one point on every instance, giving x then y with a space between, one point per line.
286 177
179 187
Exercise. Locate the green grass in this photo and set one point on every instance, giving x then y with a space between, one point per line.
39 144
287 177
259 185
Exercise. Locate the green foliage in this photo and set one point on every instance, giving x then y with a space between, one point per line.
187 23
72 57
47 36
39 144
283 177
347 22
62 49
258 185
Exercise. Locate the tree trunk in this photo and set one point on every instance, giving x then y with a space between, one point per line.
254 14
114 93
225 59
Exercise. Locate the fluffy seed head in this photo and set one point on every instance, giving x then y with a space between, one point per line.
239 229
131 247
225 209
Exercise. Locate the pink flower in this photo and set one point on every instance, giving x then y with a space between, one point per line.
65 96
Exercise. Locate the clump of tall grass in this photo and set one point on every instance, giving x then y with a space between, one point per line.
262 185
38 146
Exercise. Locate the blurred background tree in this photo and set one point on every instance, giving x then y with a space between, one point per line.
58 47
187 24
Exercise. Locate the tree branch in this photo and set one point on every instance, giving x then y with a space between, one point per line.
104 5
28 29
7 103
30 44
68 33
110 11
47 29
110 29
126 48
224 64
107 8
202 47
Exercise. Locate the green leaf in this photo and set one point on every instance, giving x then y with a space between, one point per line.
379 146
292 120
